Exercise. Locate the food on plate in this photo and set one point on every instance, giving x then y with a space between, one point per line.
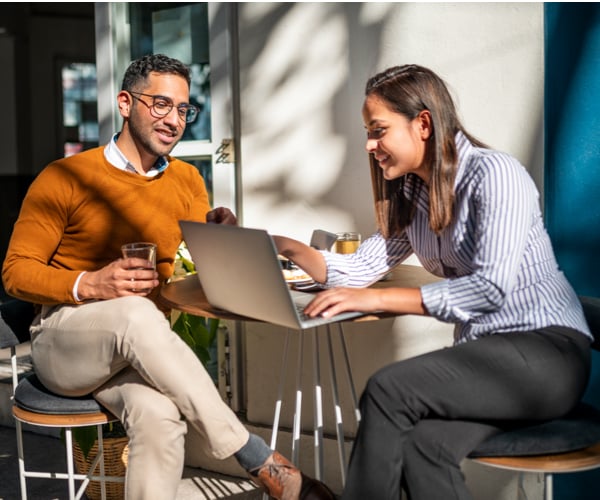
295 274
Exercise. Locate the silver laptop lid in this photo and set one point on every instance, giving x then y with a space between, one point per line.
239 271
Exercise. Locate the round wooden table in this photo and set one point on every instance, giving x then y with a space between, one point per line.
186 295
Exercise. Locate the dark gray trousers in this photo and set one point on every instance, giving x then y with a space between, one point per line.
422 416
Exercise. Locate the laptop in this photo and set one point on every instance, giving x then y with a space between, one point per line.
239 271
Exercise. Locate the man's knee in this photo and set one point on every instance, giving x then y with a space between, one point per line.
136 309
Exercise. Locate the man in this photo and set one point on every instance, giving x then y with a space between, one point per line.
97 331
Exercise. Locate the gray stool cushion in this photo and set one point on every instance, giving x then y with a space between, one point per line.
577 430
31 395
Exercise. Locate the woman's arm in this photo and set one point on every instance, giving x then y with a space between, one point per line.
337 300
304 256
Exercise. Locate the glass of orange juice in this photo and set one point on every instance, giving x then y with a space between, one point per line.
347 242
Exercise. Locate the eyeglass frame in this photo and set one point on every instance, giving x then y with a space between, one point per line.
170 104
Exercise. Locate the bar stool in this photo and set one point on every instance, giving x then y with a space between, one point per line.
567 444
35 405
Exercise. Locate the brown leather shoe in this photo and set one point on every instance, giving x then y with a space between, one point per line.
284 481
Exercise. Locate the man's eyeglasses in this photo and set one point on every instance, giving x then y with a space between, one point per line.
162 106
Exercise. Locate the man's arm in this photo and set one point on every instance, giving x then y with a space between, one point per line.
26 273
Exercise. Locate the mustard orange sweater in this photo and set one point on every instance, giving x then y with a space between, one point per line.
80 210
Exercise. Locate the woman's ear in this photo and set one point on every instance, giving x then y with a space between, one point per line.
425 124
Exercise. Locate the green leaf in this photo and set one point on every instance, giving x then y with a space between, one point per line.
182 328
213 327
85 437
180 324
187 264
202 353
198 332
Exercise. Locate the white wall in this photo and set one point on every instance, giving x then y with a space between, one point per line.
303 70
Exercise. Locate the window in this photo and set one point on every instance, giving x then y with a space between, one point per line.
79 107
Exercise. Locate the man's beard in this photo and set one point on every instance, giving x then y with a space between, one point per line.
146 142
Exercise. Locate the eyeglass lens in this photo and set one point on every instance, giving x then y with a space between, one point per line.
162 106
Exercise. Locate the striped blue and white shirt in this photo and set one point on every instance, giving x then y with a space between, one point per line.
500 271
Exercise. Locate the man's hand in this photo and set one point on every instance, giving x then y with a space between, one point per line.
221 215
120 278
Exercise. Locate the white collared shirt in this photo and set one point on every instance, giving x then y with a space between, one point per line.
117 159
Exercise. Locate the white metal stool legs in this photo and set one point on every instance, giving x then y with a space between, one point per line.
21 455
71 476
70 466
548 487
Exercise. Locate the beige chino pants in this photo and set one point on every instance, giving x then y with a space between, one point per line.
124 351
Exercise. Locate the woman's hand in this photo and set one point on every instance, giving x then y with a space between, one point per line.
394 300
337 300
120 278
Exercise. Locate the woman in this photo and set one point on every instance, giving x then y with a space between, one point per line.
471 215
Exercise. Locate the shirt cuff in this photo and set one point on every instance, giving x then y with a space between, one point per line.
336 263
75 286
434 296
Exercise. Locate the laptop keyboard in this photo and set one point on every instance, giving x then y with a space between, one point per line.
316 321
301 314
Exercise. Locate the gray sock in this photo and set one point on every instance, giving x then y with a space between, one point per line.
254 453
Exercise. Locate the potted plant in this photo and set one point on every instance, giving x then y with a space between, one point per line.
198 332
116 451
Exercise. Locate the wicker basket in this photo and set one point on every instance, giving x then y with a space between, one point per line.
116 451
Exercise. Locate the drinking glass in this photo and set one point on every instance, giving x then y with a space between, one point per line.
141 250
347 242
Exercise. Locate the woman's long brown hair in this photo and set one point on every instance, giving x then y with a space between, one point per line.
408 90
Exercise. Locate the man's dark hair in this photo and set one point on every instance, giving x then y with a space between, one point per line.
138 71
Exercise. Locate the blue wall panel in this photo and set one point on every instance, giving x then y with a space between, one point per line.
572 172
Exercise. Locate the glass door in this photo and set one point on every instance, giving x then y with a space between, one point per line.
199 35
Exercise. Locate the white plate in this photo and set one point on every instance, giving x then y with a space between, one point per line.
298 280
309 286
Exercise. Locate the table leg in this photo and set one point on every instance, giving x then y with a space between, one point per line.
298 406
349 373
318 397
339 424
278 403
282 371
318 409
